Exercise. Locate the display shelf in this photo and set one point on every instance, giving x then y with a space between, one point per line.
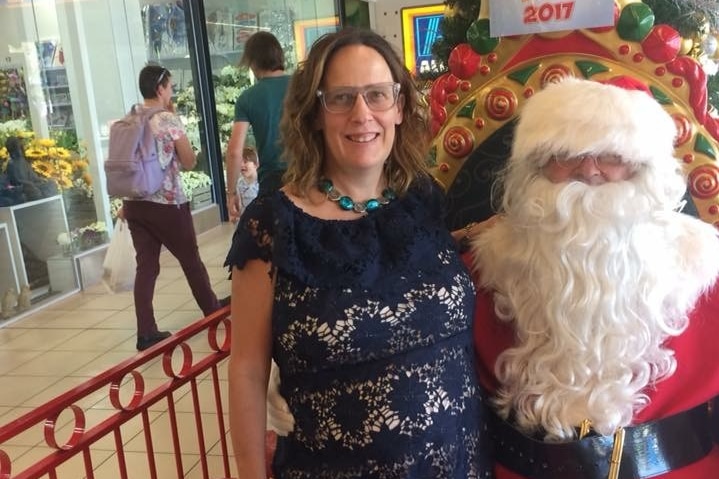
77 271
8 271
201 197
33 228
89 265
61 274
57 96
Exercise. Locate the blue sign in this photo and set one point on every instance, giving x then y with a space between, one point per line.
420 30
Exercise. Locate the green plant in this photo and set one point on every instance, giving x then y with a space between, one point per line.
229 84
66 139
191 180
12 128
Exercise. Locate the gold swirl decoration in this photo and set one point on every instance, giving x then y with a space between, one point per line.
555 73
501 104
684 129
704 181
458 142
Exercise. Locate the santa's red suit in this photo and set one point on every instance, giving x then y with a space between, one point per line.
597 299
695 381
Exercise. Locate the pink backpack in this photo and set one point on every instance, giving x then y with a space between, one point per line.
132 167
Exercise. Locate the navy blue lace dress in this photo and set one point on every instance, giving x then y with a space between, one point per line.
372 333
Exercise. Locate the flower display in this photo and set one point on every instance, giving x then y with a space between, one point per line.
66 166
229 83
12 128
115 205
81 239
191 180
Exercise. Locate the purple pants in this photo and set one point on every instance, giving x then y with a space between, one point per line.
153 225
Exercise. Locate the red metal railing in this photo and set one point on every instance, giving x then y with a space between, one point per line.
136 422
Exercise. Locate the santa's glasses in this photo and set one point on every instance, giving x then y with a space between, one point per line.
602 160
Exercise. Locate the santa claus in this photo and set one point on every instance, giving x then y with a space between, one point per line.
597 322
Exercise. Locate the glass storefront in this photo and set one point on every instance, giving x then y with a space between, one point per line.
68 68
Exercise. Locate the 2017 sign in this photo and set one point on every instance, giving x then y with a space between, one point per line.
547 12
517 17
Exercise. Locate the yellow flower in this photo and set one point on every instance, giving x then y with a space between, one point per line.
46 142
25 134
43 168
80 164
4 154
34 153
64 167
63 182
61 153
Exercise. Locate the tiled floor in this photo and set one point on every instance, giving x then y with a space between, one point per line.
63 345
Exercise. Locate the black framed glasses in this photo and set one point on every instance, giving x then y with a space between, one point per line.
161 77
378 97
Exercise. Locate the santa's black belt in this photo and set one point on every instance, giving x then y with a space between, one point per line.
650 449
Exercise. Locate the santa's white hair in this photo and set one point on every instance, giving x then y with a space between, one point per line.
595 279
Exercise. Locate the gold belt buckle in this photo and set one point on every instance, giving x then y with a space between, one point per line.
584 427
616 458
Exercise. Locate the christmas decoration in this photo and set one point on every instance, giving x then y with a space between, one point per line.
695 21
668 53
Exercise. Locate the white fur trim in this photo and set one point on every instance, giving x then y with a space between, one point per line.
575 117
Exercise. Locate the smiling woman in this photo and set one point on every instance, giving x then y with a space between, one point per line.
349 280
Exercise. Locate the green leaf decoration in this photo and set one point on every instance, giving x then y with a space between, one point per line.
467 111
432 157
590 68
702 145
660 96
523 75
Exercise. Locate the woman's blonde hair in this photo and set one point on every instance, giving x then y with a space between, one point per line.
304 143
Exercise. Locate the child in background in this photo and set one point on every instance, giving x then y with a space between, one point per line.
247 185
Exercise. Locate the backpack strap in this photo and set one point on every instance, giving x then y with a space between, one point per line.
144 115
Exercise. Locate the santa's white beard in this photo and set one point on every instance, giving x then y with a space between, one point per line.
595 279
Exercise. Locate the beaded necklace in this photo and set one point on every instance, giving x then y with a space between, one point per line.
348 204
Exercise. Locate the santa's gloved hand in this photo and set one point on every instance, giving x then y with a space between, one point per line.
279 417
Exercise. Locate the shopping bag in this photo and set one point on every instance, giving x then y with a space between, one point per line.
119 265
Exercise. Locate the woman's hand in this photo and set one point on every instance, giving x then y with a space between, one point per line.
464 236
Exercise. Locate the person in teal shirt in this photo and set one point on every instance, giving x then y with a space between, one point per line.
260 107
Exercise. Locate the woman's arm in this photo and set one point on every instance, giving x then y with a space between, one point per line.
249 365
185 153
